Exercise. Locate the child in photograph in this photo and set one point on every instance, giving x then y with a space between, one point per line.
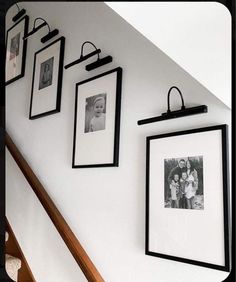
175 191
183 184
98 120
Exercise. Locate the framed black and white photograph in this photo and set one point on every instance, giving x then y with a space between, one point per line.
97 120
184 182
16 50
47 80
187 204
95 113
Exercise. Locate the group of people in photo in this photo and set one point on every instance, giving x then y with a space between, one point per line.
183 184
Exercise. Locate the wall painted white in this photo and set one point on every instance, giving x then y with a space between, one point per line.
196 35
105 207
44 249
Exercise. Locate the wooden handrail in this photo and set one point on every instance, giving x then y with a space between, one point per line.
79 254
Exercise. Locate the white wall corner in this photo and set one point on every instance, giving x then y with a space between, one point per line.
196 35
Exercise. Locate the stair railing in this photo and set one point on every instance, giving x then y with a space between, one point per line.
73 244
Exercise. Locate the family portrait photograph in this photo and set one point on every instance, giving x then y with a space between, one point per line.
184 183
95 113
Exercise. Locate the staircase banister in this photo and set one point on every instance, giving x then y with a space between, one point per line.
73 244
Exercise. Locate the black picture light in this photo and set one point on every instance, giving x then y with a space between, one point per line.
48 36
99 62
175 114
20 13
83 58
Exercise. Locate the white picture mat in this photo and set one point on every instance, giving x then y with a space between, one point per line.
13 66
96 147
191 234
45 99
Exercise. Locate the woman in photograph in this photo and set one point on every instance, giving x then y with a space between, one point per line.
191 184
47 75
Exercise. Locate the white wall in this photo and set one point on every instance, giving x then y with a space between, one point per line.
44 249
196 35
105 207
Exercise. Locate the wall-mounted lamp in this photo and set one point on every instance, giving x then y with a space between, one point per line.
175 114
98 63
36 28
20 13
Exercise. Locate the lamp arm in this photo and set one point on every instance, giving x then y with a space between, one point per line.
43 21
18 7
168 98
82 48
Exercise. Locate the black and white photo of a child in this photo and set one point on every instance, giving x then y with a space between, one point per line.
15 46
46 73
184 183
95 113
175 191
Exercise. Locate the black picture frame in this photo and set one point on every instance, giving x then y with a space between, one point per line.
225 199
115 133
22 51
58 76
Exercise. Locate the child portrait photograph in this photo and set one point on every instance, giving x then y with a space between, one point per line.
46 73
95 113
184 183
96 120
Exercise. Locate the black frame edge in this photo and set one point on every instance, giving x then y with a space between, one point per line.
115 162
59 79
22 74
226 201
